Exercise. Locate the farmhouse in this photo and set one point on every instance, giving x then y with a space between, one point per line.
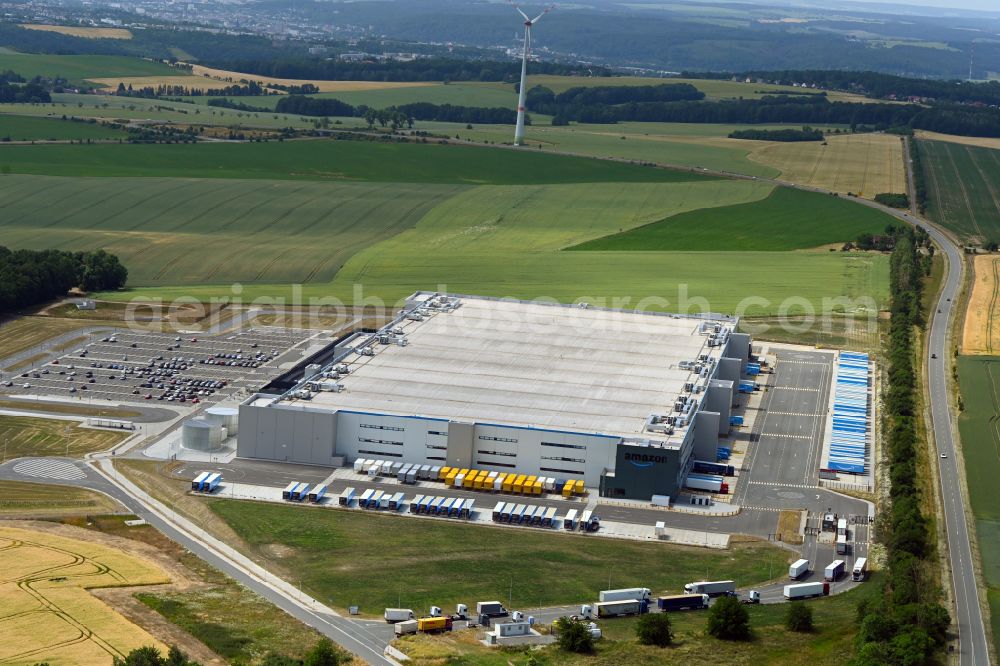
625 400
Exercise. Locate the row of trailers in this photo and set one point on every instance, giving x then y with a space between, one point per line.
206 482
448 507
544 516
471 479
852 415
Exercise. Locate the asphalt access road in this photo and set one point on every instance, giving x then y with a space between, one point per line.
972 644
146 414
364 638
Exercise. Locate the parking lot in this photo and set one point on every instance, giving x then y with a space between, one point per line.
133 366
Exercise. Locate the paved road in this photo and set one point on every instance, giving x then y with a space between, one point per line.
972 644
364 638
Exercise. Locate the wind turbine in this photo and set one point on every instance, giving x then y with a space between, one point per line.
528 23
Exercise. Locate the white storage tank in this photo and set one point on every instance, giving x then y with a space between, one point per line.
225 417
201 435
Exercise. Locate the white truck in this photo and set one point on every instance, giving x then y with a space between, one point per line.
860 570
806 590
712 588
834 570
623 594
621 608
393 615
490 609
798 569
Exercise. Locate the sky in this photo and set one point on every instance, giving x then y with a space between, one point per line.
983 5
992 6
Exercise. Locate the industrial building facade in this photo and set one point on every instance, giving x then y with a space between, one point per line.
624 400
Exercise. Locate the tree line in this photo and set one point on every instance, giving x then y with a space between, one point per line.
328 107
323 653
15 90
31 277
807 109
422 69
906 624
874 84
787 135
241 89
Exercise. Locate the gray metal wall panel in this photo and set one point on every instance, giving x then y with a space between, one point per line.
729 369
739 347
246 440
719 398
461 437
706 435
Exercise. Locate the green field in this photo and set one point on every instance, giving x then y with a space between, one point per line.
979 378
713 88
77 68
492 240
178 231
26 128
459 94
686 145
335 553
22 436
963 188
773 224
328 160
110 107
664 281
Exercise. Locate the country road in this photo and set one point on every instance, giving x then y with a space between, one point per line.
972 643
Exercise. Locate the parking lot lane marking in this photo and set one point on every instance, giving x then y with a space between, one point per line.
788 362
778 484
810 415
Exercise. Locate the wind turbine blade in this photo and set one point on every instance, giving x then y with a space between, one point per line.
544 12
521 13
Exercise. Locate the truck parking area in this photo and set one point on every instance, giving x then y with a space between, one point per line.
134 366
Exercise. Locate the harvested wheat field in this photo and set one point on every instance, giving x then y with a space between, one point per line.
324 86
46 611
207 77
981 333
862 164
79 31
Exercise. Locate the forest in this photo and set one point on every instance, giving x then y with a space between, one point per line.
31 277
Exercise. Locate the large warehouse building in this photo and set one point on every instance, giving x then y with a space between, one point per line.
625 400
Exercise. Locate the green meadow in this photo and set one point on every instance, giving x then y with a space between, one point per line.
328 160
963 188
27 128
77 68
773 224
979 379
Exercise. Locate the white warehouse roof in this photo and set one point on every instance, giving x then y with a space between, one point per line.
527 364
